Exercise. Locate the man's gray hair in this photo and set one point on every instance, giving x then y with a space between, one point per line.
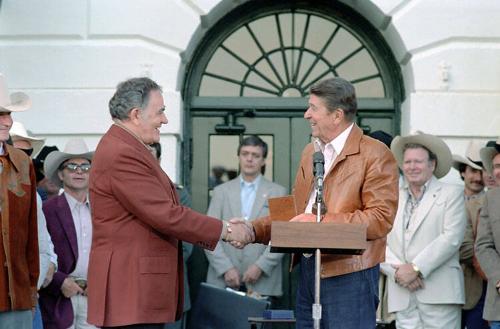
130 94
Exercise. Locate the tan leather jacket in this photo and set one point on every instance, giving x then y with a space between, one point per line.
361 187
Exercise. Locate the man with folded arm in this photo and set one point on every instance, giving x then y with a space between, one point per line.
64 301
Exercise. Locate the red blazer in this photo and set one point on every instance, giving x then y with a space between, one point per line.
136 267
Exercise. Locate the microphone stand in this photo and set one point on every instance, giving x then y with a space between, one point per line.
318 161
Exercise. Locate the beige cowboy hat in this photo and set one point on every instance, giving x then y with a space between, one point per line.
471 159
487 155
434 144
75 148
15 102
472 152
18 132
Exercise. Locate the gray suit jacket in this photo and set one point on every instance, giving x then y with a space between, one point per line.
226 204
488 251
434 239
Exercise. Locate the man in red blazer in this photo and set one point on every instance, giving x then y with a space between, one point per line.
135 273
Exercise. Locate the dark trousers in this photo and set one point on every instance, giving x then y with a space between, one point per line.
473 318
348 301
139 326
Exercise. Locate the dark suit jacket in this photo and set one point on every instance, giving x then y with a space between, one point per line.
57 311
136 267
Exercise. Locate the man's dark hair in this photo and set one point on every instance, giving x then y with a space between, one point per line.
253 140
461 169
130 94
408 146
337 93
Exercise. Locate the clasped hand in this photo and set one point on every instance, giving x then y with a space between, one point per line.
406 277
241 233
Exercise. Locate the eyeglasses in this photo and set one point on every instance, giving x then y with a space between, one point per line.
84 167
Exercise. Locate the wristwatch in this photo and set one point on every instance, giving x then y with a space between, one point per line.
417 270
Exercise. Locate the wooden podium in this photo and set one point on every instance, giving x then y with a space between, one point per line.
295 237
315 238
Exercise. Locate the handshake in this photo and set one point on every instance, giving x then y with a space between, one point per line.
238 232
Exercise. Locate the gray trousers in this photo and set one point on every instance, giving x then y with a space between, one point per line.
16 319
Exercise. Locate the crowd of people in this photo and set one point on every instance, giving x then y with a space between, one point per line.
100 238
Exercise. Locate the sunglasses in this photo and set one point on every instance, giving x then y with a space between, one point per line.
84 167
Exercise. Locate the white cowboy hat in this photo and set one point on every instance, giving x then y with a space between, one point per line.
75 148
18 132
15 102
432 143
487 155
472 152
472 158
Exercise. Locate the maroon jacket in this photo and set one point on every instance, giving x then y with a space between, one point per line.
57 310
136 267
19 236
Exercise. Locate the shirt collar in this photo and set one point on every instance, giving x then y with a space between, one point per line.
337 143
149 148
1 148
406 186
255 182
72 202
475 196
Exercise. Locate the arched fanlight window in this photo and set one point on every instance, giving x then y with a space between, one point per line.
282 54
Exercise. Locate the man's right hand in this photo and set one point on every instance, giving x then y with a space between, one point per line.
241 233
69 288
232 278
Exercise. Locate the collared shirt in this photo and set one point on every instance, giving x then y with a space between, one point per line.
330 152
247 195
1 148
80 211
412 203
410 212
475 196
45 245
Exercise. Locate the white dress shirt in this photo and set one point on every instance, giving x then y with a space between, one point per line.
80 211
330 152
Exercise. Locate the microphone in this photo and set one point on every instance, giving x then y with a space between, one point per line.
318 165
319 172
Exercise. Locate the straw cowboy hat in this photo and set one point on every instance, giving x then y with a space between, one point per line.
18 132
15 102
487 155
75 148
432 143
471 159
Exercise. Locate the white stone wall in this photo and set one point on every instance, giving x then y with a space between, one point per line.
69 56
449 51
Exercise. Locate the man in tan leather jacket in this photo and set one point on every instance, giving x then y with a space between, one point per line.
474 279
360 186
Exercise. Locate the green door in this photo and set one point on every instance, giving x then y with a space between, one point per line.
286 137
